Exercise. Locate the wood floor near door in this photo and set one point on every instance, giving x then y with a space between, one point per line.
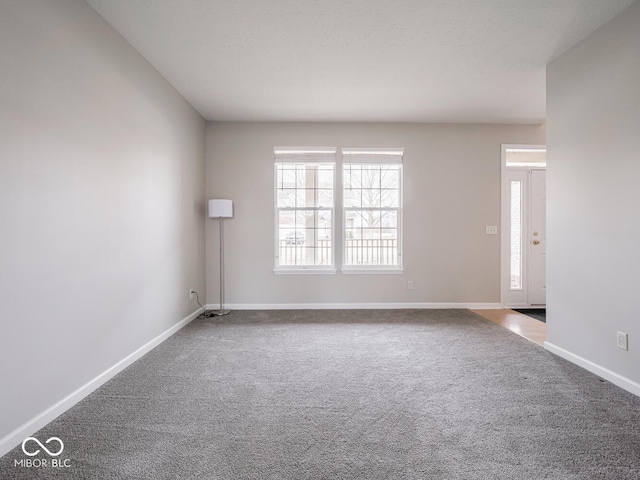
525 326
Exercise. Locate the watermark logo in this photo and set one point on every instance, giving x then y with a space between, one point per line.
53 447
49 452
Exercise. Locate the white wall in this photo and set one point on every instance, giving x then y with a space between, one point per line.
101 203
593 125
451 191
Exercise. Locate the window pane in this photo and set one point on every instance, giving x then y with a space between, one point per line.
304 185
516 235
325 176
390 176
389 234
389 218
371 251
286 197
324 224
526 157
352 176
371 186
325 197
300 176
389 197
286 222
304 237
371 237
352 197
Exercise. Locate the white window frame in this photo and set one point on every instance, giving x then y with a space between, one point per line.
371 156
305 155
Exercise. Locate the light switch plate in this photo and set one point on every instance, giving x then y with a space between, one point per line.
491 230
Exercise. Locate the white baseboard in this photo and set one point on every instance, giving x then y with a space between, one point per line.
13 439
613 377
351 306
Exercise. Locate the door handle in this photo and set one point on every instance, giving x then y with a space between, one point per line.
536 242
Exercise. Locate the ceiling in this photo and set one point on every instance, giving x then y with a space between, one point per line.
468 61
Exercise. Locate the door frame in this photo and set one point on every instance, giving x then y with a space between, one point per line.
515 298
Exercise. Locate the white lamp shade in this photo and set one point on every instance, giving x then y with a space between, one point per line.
220 208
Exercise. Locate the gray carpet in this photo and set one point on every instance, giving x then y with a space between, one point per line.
410 394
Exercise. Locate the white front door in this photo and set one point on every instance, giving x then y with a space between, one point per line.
537 238
523 220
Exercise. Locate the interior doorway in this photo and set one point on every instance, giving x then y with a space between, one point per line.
523 226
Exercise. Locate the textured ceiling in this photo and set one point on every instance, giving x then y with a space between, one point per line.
358 60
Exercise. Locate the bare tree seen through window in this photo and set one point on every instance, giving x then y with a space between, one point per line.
371 207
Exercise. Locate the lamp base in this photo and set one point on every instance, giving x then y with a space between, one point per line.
217 313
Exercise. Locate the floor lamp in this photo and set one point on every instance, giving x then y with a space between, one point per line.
221 209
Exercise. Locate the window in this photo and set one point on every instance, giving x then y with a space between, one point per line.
372 208
516 235
369 203
304 208
533 157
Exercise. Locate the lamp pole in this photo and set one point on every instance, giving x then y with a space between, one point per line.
222 311
221 209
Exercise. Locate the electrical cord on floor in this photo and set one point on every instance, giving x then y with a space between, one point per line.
204 310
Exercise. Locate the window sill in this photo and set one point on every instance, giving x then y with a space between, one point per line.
304 271
372 271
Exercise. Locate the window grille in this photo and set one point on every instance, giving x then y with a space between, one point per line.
372 207
304 207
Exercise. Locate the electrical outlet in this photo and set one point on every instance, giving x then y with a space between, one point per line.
623 340
192 292
410 285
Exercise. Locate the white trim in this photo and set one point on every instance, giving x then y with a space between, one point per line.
304 154
354 306
372 271
372 155
13 439
304 271
525 148
397 151
303 150
613 377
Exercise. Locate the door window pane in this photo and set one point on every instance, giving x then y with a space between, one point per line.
516 235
